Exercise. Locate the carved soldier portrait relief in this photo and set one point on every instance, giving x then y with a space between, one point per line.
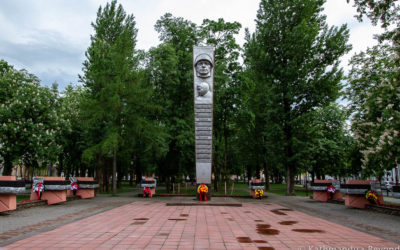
202 88
203 66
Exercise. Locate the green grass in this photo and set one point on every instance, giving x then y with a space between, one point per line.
125 188
391 203
241 189
23 198
238 189
281 190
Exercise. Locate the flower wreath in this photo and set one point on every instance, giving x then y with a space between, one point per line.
371 196
259 193
331 190
202 190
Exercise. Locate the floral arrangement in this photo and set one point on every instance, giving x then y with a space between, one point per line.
202 190
259 193
371 196
331 189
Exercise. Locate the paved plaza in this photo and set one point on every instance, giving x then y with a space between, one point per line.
151 224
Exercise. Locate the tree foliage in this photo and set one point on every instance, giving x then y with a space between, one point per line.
28 121
295 55
374 92
115 95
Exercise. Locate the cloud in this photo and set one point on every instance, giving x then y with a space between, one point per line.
44 54
49 38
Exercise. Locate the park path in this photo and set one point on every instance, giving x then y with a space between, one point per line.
151 224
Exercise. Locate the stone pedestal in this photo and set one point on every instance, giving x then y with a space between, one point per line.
203 87
254 185
50 194
86 188
8 202
150 183
320 192
358 200
9 188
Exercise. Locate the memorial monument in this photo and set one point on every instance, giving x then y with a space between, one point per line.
203 71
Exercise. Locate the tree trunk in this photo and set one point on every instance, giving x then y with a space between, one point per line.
106 177
114 172
138 172
289 181
60 165
248 172
266 173
290 169
77 172
258 169
167 184
225 151
119 178
131 176
265 164
313 175
99 178
82 170
7 165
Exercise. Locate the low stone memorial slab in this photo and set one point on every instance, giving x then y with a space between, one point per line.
356 192
149 187
256 188
9 188
49 188
324 190
84 187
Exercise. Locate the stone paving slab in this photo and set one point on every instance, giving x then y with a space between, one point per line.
153 225
191 201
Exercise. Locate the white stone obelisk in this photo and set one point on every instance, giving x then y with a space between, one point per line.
203 69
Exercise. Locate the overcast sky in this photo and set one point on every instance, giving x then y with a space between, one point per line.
49 37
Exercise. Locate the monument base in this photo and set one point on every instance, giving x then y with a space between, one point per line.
208 195
8 202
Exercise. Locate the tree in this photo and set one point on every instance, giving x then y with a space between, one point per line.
325 142
295 55
170 71
110 79
385 11
376 107
72 134
374 92
28 119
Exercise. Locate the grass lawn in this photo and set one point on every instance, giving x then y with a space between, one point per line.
23 198
238 189
123 189
281 190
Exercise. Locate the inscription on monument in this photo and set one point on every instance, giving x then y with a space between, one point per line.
203 86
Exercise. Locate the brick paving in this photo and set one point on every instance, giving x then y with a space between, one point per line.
50 223
153 225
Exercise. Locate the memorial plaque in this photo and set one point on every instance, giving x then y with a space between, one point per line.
203 86
203 115
203 132
202 119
